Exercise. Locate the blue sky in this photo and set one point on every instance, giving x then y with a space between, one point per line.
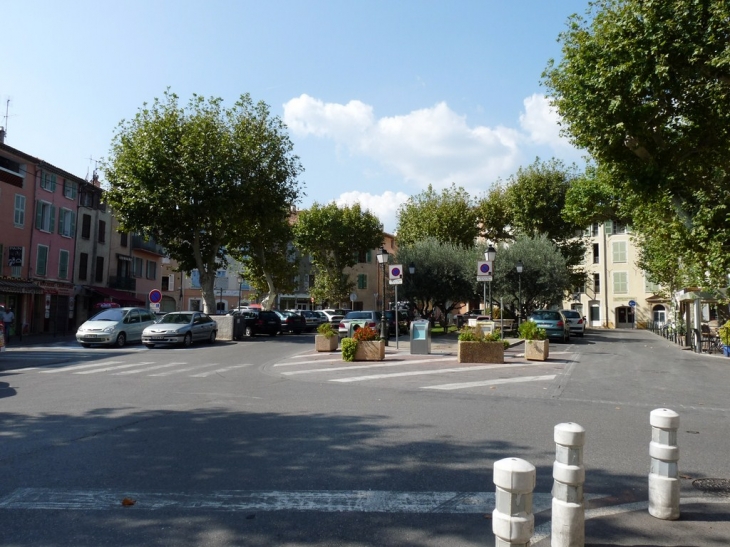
382 98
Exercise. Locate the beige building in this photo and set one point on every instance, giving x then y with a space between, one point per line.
617 293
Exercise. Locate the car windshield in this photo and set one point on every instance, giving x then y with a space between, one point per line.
546 316
177 318
571 313
114 314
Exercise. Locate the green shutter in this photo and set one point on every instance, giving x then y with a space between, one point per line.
73 224
53 218
61 216
63 265
38 215
369 257
42 259
53 183
608 227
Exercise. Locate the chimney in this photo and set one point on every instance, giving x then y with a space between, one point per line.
2 135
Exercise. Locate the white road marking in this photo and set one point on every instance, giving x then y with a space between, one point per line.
357 367
61 368
185 369
116 367
499 381
333 360
428 372
157 367
225 369
339 360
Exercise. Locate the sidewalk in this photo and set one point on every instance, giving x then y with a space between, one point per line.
30 340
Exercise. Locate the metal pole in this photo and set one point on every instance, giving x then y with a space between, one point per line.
519 302
396 317
383 324
490 301
484 309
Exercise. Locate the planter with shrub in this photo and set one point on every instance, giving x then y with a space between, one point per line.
326 339
477 347
724 334
365 345
537 348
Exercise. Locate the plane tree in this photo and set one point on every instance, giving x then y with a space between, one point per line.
202 180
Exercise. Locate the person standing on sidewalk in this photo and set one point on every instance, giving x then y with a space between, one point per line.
8 319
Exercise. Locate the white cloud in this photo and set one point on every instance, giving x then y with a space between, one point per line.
383 206
542 123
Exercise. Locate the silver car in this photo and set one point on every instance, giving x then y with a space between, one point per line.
181 327
114 327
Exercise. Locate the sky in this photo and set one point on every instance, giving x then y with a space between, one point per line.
381 98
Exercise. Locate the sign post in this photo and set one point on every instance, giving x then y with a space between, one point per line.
396 278
155 297
484 273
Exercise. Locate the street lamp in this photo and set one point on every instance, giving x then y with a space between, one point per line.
240 290
383 259
519 267
489 255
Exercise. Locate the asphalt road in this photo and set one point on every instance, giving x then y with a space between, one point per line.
264 443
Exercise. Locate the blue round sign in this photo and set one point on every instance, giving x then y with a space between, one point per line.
632 303
395 272
484 268
155 296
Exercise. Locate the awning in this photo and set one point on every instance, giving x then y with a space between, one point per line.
18 286
121 297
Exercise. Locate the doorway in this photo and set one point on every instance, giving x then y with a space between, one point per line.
659 315
624 317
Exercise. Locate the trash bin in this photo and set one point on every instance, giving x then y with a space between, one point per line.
420 337
239 327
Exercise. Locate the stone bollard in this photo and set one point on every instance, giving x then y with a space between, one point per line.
513 523
664 471
568 520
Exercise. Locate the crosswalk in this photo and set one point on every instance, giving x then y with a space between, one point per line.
424 372
143 368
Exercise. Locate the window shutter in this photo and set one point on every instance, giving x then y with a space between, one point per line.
608 227
369 256
171 283
53 218
73 224
53 183
38 215
61 216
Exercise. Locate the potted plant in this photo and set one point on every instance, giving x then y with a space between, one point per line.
365 345
724 334
537 348
326 338
477 347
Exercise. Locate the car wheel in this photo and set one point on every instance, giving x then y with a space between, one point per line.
150 346
85 345
297 332
188 340
211 340
249 332
121 340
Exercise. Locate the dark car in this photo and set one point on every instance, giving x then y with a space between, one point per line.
312 319
292 322
403 322
259 322
554 322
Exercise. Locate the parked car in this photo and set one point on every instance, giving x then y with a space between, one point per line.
577 324
181 327
369 318
403 322
334 317
554 322
114 327
311 319
260 322
292 322
321 317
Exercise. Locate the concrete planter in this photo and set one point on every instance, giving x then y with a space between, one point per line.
370 351
537 350
480 352
322 343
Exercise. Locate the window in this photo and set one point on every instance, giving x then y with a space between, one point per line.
620 282
619 251
45 216
620 228
83 266
596 255
362 281
165 283
99 274
48 181
195 280
651 287
87 199
596 283
591 231
137 267
608 227
102 231
86 227
194 305
123 238
70 189
66 222
19 215
151 269
42 260
311 281
365 257
63 264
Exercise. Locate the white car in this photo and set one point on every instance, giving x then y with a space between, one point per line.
115 327
181 327
577 324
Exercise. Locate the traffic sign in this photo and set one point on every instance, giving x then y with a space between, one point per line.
396 274
632 303
155 296
484 270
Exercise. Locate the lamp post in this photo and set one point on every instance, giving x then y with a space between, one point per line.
240 290
489 255
383 259
180 297
519 267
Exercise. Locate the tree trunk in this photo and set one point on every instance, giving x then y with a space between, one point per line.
270 300
207 286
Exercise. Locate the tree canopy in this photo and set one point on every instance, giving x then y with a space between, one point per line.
335 237
202 180
644 87
450 217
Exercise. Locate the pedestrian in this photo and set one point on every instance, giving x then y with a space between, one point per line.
8 320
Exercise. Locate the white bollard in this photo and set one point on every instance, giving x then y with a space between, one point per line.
664 472
568 519
513 523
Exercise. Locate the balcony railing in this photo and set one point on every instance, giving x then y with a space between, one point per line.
150 246
122 283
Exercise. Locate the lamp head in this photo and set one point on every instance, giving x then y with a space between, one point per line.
412 268
519 266
490 254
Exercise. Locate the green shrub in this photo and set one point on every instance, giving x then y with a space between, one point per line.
349 347
530 331
475 334
724 334
326 330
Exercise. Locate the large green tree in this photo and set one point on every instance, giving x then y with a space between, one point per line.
335 237
202 180
449 216
644 87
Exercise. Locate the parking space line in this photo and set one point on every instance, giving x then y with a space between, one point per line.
61 368
157 367
360 367
465 385
171 372
439 371
116 367
225 369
